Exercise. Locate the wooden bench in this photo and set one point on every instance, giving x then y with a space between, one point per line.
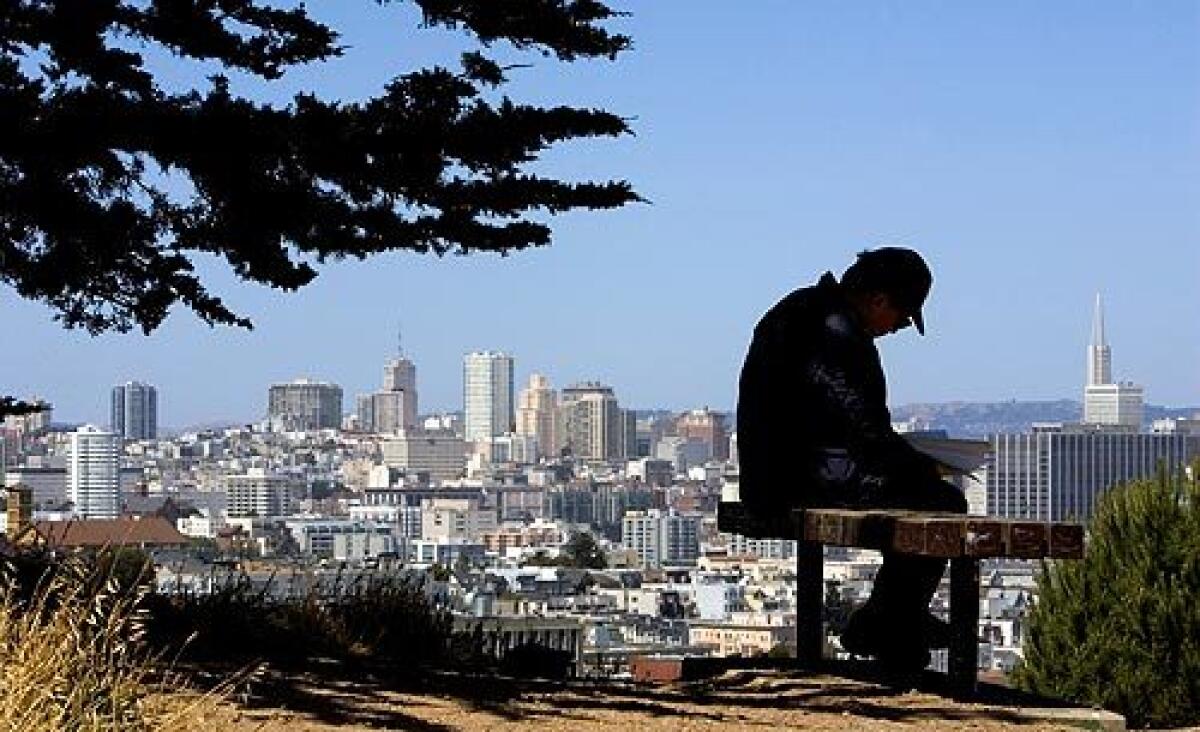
964 540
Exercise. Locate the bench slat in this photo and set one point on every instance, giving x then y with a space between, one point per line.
912 532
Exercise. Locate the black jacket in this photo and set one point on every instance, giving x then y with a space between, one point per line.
813 428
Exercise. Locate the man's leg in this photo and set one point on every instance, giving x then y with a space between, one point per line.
895 618
905 584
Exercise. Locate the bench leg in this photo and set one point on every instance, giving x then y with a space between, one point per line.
964 625
810 603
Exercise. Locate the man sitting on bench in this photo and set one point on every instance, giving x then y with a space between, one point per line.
814 431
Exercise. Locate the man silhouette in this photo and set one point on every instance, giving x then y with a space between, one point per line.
813 430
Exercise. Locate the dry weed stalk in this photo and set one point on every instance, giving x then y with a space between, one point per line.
72 657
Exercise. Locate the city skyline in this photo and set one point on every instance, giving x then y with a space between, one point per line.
1035 155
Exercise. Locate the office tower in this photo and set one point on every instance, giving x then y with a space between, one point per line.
708 427
303 405
94 473
1057 473
258 494
400 375
1104 402
593 426
394 408
134 411
661 537
487 395
537 414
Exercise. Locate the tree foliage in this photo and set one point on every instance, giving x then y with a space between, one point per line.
10 406
112 182
582 551
1120 628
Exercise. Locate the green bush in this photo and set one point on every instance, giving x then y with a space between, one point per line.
1120 629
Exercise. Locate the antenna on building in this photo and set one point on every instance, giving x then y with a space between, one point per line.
399 340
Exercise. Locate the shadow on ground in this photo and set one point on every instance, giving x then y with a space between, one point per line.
387 698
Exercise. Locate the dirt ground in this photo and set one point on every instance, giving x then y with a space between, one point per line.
762 700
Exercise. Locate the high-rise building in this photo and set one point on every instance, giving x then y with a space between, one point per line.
487 395
400 375
1105 402
592 424
1057 473
303 405
94 473
537 414
134 411
662 537
394 408
708 427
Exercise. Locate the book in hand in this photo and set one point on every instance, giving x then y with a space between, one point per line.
953 456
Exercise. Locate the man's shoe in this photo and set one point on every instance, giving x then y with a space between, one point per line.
868 634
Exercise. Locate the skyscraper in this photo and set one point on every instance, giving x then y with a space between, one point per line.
400 375
1104 402
94 473
487 395
592 424
304 405
134 411
537 414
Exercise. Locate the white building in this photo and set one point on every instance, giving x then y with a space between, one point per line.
440 454
345 541
94 473
487 395
1105 402
405 521
258 494
204 526
682 452
660 537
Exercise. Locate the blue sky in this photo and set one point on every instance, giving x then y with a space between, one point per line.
1036 153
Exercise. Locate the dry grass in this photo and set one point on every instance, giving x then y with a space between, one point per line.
72 657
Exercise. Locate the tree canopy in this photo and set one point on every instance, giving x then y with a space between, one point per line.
112 182
1121 627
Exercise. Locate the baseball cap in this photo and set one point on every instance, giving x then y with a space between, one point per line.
901 274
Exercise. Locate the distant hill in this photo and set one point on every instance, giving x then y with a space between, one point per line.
979 419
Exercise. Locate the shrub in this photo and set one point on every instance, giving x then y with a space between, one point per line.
375 616
1120 629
